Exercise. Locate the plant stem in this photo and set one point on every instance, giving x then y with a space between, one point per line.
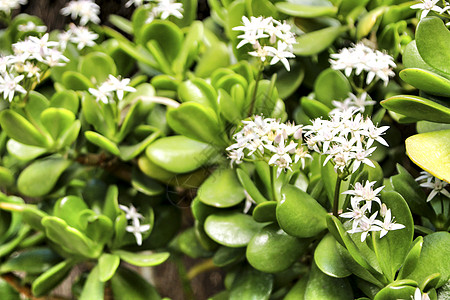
185 281
15 282
255 91
336 196
205 266
272 182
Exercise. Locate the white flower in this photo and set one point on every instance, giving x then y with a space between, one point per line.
8 5
365 193
9 85
117 85
167 8
131 213
136 229
30 26
388 224
280 54
426 6
355 214
82 37
438 187
419 296
366 225
136 3
362 58
356 103
87 10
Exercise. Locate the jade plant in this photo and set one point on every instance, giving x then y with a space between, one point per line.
300 148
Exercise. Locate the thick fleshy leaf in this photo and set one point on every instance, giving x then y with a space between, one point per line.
232 229
24 152
225 256
6 177
426 81
331 85
198 90
251 285
250 186
315 42
104 66
412 258
8 292
288 81
69 209
433 43
322 286
167 153
313 108
368 21
69 238
215 57
328 259
107 264
395 291
392 249
298 290
412 59
76 81
51 278
31 261
189 47
418 108
433 258
265 212
190 245
21 130
102 142
144 184
127 284
307 9
135 116
39 178
299 214
221 189
263 250
93 288
419 147
142 259
197 122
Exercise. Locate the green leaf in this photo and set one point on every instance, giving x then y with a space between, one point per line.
314 109
265 212
433 43
69 238
167 35
69 209
167 153
426 81
418 108
412 258
104 66
412 59
144 184
189 48
251 285
198 90
289 81
232 229
31 261
7 292
128 152
189 244
299 214
317 41
395 291
102 142
433 258
31 181
111 204
368 21
51 278
307 9
24 152
392 249
331 85
263 250
6 177
298 290
197 122
107 266
226 256
250 186
127 284
221 189
419 147
215 57
93 288
322 286
142 259
328 259
21 130
76 81
95 116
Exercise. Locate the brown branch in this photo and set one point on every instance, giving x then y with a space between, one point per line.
25 290
110 164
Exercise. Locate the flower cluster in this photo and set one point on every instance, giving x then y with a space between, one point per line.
362 58
79 35
105 92
426 6
135 228
265 33
435 184
347 140
159 8
352 102
30 26
361 202
86 10
7 6
270 140
31 58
